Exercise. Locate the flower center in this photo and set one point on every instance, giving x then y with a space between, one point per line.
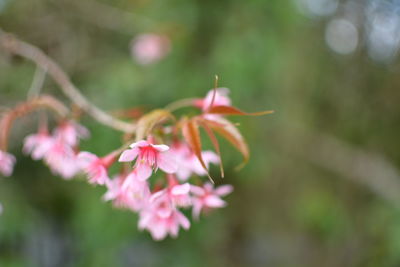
148 155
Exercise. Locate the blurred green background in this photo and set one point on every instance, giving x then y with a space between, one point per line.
322 187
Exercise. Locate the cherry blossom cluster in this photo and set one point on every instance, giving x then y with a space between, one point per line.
57 150
160 171
162 168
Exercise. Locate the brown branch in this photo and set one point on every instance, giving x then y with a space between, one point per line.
18 47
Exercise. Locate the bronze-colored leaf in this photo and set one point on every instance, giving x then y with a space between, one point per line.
228 131
215 143
229 110
191 133
147 122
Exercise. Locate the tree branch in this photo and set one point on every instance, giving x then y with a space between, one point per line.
18 47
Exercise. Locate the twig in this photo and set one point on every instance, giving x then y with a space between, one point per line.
18 47
187 102
37 82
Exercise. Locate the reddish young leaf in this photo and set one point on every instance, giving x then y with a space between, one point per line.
215 143
191 133
229 110
228 130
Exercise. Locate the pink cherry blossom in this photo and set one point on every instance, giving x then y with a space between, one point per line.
221 99
7 162
70 132
38 144
188 162
161 218
160 225
139 190
120 198
149 157
150 48
95 167
133 195
207 197
177 194
57 149
61 159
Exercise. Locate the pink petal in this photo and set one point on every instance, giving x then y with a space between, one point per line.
143 171
197 206
208 187
7 162
140 143
224 190
41 150
144 220
166 163
174 229
158 232
129 155
157 195
214 202
100 176
161 148
197 190
164 213
210 157
183 221
86 158
221 98
183 173
181 189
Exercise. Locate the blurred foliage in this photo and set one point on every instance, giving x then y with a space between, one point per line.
287 209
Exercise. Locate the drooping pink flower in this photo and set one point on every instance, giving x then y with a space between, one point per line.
161 215
208 197
70 132
177 194
61 159
149 157
38 144
161 224
114 192
188 162
7 162
161 218
221 99
95 167
127 191
150 48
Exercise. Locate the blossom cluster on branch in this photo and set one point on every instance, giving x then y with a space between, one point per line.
161 160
